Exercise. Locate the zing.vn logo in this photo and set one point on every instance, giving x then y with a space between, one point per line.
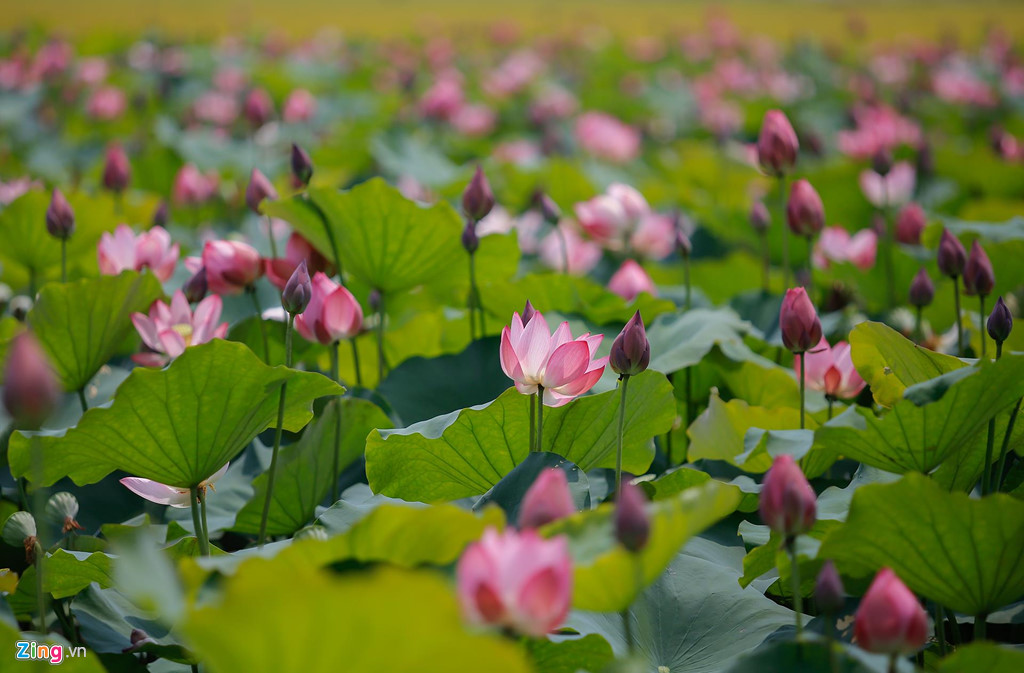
32 651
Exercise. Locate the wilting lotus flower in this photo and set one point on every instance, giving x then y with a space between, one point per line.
605 137
231 266
891 190
332 314
532 356
192 188
548 499
125 251
837 245
890 620
831 370
163 494
583 255
298 249
106 103
516 580
300 106
169 330
630 280
788 505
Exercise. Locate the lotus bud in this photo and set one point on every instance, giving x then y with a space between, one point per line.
160 215
528 313
547 500
910 223
196 287
788 505
258 107
60 217
760 218
777 143
952 257
979 278
548 209
138 639
1000 322
805 213
477 199
20 531
922 291
890 620
31 389
297 291
259 188
62 510
117 171
631 351
632 525
470 241
798 321
302 166
828 590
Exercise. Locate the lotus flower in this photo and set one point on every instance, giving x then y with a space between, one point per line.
831 370
298 249
548 499
231 266
516 580
124 250
106 103
630 280
565 367
837 245
798 321
611 216
893 189
787 504
332 314
192 188
31 389
606 137
890 619
300 106
582 255
162 494
169 330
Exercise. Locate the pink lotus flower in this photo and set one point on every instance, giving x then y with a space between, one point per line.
231 266
654 236
787 505
298 249
516 580
520 152
548 499
798 321
582 255
831 370
837 245
474 121
630 280
11 190
192 188
163 494
217 108
300 106
258 107
910 223
125 251
609 217
169 330
890 620
533 357
891 190
605 137
513 75
106 103
554 102
444 98
878 128
332 314
92 70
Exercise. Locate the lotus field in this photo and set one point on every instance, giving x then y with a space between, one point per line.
690 351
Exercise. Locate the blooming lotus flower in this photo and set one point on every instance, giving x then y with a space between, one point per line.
831 370
444 98
891 190
169 330
548 499
605 137
332 313
300 106
654 236
787 505
609 217
163 494
473 121
298 249
532 356
890 620
192 187
231 266
516 580
216 107
583 255
837 245
630 280
125 251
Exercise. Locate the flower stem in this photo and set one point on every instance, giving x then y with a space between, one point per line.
830 643
270 236
785 231
981 320
890 257
533 423
668 435
251 290
1001 470
202 516
197 524
831 400
798 599
810 265
540 418
82 401
337 426
381 365
622 419
565 249
803 385
686 282
766 260
627 630
959 320
277 433
980 626
986 476
940 628
892 663
355 361
471 300
63 260
40 594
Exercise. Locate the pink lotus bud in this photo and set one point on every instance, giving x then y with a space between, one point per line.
630 280
60 217
332 313
477 199
117 172
922 290
300 106
231 266
160 215
631 351
302 165
516 580
979 278
1000 322
470 241
829 593
528 312
259 188
298 249
777 143
632 525
760 218
801 329
196 287
910 223
890 619
258 108
547 500
31 389
805 212
951 256
548 209
297 290
787 504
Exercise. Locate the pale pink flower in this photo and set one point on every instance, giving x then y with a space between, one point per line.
124 250
106 103
835 244
553 102
583 255
300 106
606 137
516 580
877 128
169 330
298 249
230 79
513 75
630 280
91 71
532 357
957 83
9 191
830 370
444 97
231 266
891 190
192 187
217 108
162 494
611 217
474 121
521 152
654 236
332 313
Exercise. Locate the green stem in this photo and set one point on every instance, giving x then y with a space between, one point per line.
627 629
668 435
689 396
471 300
533 423
622 420
957 636
381 366
940 628
892 663
798 599
766 260
202 515
803 385
270 236
785 232
197 523
63 260
337 426
251 290
981 318
890 258
830 643
40 594
831 400
810 266
1004 452
540 418
959 320
686 281
986 476
981 626
82 401
355 361
272 472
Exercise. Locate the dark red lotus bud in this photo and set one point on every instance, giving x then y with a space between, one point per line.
951 256
798 321
925 160
805 213
302 165
477 199
922 290
979 278
881 162
160 215
470 241
760 218
528 312
1000 322
632 525
910 223
259 107
60 217
777 143
548 209
297 291
259 188
117 171
196 287
828 590
787 504
631 351
31 389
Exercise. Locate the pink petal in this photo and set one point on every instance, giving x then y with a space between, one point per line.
156 492
147 330
172 342
532 349
566 364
